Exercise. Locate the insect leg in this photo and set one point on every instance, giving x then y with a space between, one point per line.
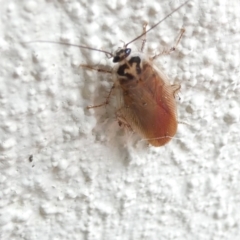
175 88
144 37
172 49
122 121
177 41
95 68
107 99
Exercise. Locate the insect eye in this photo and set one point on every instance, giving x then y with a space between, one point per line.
127 51
121 54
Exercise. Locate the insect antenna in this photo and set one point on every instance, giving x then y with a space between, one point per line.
108 54
155 25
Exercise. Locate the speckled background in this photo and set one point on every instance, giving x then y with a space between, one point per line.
70 173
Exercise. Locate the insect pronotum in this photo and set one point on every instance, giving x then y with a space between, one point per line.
148 104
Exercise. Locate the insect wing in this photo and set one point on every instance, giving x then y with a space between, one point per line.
150 107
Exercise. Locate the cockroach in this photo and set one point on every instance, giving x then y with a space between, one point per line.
148 104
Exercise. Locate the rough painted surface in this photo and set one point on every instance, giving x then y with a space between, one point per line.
70 173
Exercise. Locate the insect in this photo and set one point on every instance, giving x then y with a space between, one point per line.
148 99
148 104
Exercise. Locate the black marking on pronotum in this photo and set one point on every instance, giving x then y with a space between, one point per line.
136 60
122 68
121 72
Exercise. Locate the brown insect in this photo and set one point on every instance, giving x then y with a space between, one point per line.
148 104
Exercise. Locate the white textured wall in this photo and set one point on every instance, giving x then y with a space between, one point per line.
89 180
